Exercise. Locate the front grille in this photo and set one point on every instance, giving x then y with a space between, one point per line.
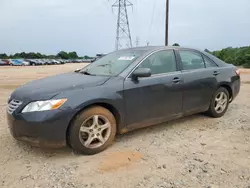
13 105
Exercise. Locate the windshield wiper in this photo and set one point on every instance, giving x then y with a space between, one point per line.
87 73
104 65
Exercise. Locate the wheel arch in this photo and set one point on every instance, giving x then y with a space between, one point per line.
229 89
108 106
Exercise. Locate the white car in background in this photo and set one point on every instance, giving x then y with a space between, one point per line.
25 63
55 62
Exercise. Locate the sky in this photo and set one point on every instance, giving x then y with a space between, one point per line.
89 26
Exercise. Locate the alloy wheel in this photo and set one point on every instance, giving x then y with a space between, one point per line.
221 101
95 131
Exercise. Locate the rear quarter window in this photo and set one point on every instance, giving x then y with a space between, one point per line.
219 62
209 63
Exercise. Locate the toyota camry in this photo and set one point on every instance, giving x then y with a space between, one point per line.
122 91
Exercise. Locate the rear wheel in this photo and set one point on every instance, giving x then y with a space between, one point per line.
92 131
219 103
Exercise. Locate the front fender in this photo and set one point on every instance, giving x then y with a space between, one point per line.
112 95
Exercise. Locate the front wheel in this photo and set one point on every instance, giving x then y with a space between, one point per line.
219 103
92 131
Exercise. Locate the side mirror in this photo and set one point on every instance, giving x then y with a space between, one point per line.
141 72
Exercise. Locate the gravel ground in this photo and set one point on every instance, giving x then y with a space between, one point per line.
195 151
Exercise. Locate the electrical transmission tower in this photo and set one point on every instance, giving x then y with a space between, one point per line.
123 35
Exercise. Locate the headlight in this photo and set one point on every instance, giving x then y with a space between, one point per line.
44 105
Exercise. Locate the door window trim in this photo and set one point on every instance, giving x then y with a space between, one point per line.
156 75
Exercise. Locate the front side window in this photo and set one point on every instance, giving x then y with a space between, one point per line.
160 62
113 64
191 60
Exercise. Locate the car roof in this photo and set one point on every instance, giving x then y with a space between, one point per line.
155 48
149 49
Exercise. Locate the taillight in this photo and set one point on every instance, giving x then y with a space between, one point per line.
237 72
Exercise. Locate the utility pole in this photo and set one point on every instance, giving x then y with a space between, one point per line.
123 35
167 19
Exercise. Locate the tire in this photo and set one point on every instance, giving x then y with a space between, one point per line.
78 140
213 104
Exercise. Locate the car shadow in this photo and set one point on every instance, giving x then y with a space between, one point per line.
66 151
45 152
162 126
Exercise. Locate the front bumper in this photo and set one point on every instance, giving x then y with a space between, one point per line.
43 129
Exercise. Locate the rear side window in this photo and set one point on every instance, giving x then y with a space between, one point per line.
160 62
209 63
191 60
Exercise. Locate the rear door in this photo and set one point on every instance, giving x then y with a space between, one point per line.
199 82
159 97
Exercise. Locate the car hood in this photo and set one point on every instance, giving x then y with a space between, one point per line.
47 88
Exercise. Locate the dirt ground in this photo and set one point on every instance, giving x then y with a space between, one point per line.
195 151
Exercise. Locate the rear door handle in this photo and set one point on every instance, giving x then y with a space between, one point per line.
216 73
176 80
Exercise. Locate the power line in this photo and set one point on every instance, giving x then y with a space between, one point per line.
123 35
152 18
106 4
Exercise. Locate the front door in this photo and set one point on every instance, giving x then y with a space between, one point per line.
157 98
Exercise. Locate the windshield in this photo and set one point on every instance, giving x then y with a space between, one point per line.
112 64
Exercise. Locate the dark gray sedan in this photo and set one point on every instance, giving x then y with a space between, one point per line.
122 91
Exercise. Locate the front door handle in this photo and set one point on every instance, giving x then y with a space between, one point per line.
176 80
216 73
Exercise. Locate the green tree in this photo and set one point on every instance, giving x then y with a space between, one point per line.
241 60
230 60
247 61
206 50
86 57
176 44
72 55
3 56
62 55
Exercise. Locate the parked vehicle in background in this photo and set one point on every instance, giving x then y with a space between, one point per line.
54 62
7 61
25 63
34 62
15 62
61 61
57 62
31 61
87 60
48 61
43 61
40 62
4 62
120 92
